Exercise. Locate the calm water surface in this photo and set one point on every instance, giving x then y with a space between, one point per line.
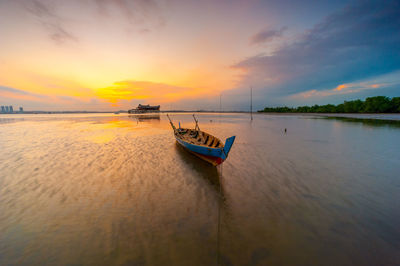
114 189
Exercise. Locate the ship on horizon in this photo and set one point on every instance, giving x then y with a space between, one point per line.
145 108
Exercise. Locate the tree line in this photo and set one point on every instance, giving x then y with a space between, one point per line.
378 104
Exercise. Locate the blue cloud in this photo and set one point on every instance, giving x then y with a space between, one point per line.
358 42
267 35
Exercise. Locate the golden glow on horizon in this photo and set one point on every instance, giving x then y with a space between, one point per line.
157 92
108 65
40 76
109 61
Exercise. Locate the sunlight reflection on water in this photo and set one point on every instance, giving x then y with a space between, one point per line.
117 189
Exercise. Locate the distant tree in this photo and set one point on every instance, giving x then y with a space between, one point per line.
314 108
303 109
340 108
395 105
358 106
349 107
377 104
329 108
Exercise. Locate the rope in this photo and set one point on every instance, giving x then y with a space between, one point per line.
219 219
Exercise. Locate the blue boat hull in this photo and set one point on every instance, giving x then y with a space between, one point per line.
215 156
202 144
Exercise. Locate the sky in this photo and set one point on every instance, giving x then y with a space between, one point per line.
105 55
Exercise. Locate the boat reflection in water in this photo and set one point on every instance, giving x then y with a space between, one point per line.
204 169
213 176
146 117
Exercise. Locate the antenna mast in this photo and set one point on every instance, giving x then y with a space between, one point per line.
220 103
251 103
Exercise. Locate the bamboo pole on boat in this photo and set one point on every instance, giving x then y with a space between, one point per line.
172 124
197 123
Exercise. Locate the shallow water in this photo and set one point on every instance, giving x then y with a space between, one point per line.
105 189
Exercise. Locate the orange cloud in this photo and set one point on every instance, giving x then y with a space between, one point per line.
142 90
342 86
340 89
375 86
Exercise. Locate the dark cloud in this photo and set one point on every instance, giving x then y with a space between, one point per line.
137 12
39 9
267 35
51 22
8 89
358 42
20 92
59 34
35 101
145 31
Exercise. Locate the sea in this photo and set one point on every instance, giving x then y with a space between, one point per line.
116 189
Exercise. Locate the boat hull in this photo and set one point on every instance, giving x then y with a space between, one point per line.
210 155
202 144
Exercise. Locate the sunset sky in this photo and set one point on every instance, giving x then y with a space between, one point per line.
114 54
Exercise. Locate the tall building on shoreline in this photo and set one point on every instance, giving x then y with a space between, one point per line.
8 109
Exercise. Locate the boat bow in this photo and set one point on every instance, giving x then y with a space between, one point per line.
228 146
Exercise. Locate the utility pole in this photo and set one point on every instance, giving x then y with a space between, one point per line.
220 103
251 103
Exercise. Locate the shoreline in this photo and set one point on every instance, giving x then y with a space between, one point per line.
374 116
371 116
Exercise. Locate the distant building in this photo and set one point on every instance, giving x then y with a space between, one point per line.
8 109
21 110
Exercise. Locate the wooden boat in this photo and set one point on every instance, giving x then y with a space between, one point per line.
202 144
